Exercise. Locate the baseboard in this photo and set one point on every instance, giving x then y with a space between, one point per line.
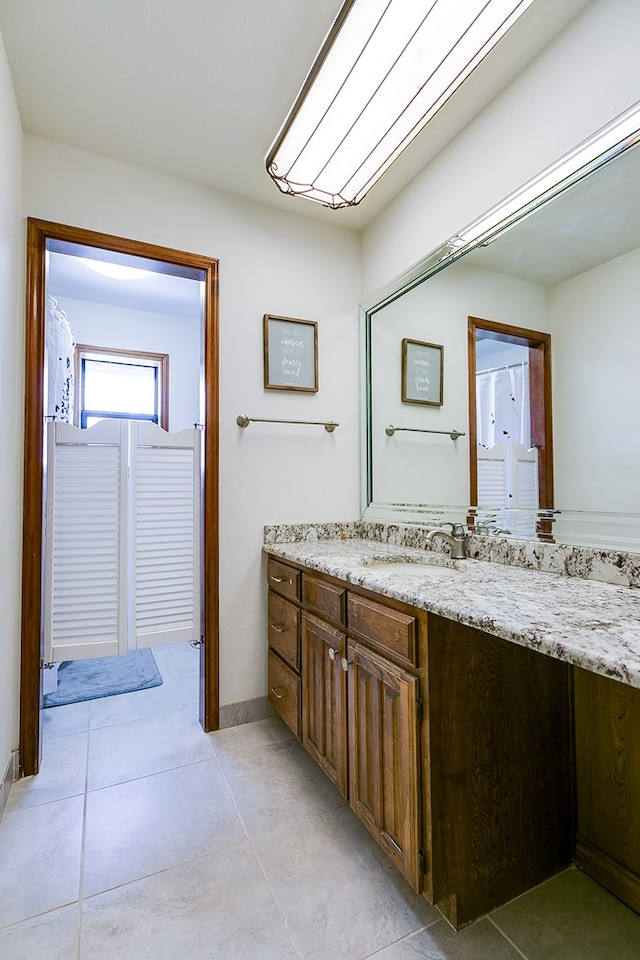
245 711
8 779
617 878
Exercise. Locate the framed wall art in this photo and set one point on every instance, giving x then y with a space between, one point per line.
290 354
422 372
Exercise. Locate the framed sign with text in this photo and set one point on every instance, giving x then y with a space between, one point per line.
290 354
422 372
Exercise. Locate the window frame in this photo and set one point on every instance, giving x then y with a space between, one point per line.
144 358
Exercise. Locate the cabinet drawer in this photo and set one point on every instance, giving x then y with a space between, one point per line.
284 692
324 597
283 622
283 579
384 628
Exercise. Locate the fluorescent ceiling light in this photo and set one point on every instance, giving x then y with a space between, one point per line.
605 144
385 69
116 271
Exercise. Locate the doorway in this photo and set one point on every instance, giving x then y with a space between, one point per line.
42 236
536 349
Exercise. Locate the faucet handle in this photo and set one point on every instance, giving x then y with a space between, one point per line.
457 529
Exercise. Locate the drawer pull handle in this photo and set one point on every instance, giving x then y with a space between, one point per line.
280 580
277 627
344 663
276 692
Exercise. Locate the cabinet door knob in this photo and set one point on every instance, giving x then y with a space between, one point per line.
344 663
276 692
332 653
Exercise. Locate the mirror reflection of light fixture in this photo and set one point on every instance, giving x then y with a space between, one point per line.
604 145
385 69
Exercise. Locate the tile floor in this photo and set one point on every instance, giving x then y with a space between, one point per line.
145 839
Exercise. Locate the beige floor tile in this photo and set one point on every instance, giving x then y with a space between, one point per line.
571 917
342 897
62 774
277 785
138 828
62 721
481 941
249 736
215 908
51 936
140 748
39 859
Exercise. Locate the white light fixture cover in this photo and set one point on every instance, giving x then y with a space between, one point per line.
385 69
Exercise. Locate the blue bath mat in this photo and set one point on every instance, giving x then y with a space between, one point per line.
104 677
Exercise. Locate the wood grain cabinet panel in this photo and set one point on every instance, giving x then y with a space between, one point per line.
284 692
384 773
283 620
324 710
607 721
283 579
387 629
500 769
324 597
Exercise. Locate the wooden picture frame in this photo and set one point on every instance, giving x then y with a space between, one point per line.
422 372
290 354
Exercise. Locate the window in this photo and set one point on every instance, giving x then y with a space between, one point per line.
122 385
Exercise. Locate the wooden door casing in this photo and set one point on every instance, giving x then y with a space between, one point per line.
39 234
384 773
324 712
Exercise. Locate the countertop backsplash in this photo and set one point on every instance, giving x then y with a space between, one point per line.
588 563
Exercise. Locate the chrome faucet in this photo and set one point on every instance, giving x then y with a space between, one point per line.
457 539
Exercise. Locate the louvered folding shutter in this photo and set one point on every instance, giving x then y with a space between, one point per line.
122 566
85 560
508 487
165 503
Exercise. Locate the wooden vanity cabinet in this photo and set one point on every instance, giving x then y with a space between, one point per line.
607 720
452 746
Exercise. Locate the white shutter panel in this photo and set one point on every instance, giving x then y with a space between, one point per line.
85 569
508 487
166 535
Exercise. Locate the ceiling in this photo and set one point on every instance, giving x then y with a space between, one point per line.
198 89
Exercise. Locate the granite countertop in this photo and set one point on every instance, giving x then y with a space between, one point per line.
587 623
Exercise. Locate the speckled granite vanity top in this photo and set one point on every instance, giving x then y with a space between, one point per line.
590 624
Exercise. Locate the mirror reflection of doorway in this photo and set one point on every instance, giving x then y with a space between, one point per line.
510 429
44 241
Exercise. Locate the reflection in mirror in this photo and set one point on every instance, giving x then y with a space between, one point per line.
569 269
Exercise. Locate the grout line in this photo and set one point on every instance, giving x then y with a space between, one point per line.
407 936
276 902
508 939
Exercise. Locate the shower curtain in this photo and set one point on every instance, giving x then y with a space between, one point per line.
502 397
60 350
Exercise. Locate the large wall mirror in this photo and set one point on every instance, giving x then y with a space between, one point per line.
567 269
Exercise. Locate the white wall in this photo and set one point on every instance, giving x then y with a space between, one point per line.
587 76
426 468
270 262
11 388
105 325
595 324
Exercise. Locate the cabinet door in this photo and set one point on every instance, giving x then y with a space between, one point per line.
324 723
383 756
